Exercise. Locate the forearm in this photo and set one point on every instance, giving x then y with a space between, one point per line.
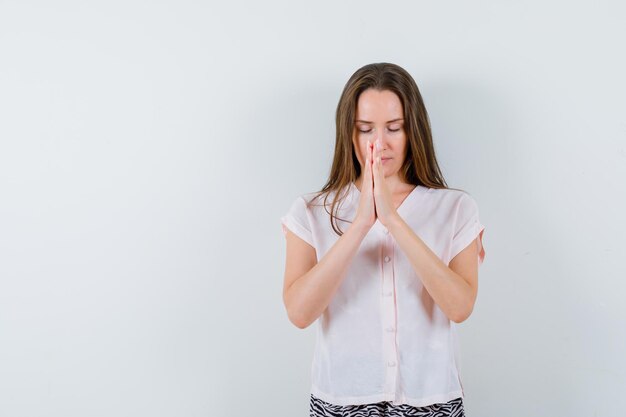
307 298
449 290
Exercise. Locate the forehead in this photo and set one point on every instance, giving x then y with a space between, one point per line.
376 105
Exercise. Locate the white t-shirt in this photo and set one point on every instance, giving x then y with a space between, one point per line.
382 337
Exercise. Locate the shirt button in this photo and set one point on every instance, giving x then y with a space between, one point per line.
391 363
386 231
387 259
390 329
389 294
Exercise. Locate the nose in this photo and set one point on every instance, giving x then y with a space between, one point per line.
383 140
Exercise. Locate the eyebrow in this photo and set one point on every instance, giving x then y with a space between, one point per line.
394 120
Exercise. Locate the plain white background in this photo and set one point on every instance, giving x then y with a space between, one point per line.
148 150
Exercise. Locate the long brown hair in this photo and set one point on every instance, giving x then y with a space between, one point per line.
420 165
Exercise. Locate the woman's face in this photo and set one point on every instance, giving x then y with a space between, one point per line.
379 115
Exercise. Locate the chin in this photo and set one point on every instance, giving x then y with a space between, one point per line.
387 172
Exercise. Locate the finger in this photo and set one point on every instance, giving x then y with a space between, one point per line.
365 171
379 160
369 156
375 165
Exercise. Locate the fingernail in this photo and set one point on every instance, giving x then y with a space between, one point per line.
377 144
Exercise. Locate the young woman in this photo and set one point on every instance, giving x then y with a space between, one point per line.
386 262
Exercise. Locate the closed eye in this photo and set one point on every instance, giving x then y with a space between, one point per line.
368 131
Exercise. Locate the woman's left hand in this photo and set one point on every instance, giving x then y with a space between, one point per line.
383 201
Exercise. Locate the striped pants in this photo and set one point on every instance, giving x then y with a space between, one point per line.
320 408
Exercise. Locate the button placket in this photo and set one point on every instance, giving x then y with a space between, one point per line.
389 314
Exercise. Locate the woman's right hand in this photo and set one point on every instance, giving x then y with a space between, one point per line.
366 211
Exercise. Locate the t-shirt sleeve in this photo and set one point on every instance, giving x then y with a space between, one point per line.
297 221
467 228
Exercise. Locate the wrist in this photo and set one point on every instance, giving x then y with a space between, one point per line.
360 226
394 222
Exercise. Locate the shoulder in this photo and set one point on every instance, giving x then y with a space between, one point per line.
449 196
305 199
322 201
304 203
451 205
